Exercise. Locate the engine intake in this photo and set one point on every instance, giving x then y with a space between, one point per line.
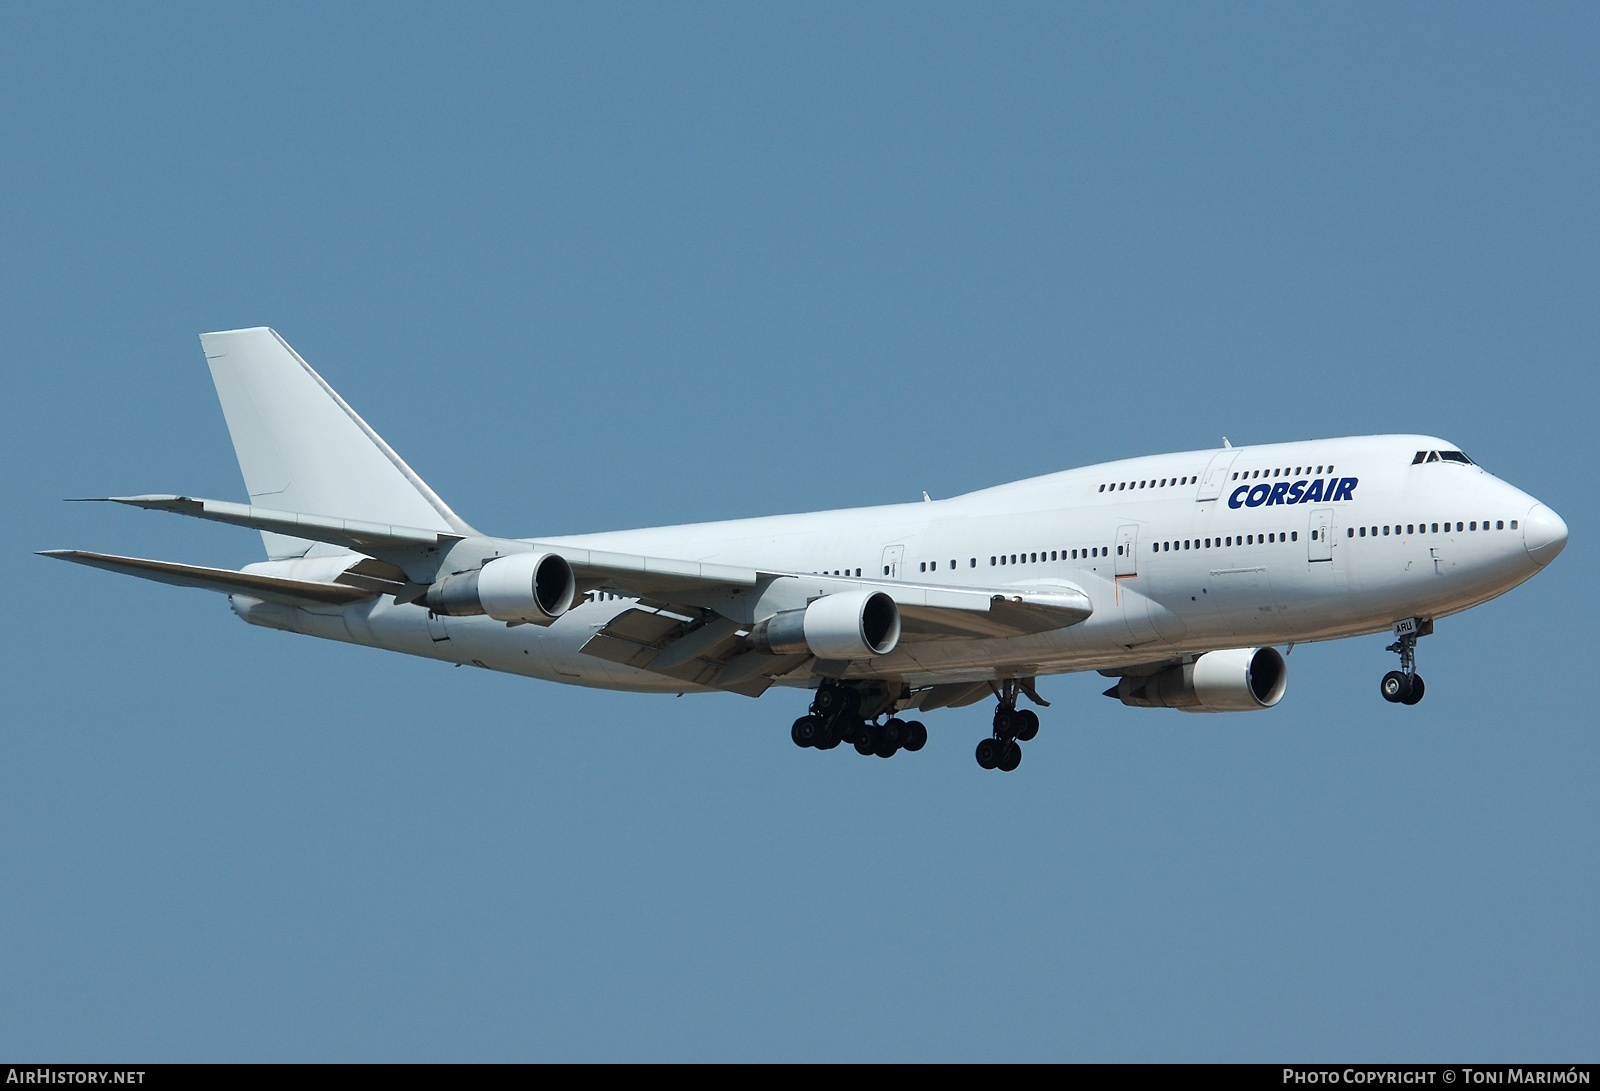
851 625
1236 680
533 587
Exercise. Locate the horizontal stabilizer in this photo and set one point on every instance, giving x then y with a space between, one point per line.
268 588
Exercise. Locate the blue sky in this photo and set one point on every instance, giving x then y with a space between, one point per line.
627 265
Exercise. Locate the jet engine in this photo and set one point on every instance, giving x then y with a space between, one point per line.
535 587
1237 680
851 625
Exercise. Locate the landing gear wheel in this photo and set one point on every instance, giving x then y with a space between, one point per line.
806 731
1005 721
892 733
1395 687
988 753
829 738
1417 690
916 736
1010 758
864 746
1025 723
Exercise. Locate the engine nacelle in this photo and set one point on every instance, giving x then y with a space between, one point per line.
1236 680
852 625
534 587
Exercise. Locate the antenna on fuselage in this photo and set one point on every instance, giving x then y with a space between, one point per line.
1225 442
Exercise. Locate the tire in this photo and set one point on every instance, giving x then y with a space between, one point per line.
988 753
916 736
892 733
829 738
1395 687
1005 722
1010 758
806 731
1026 725
1417 690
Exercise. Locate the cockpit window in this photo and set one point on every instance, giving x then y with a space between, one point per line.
1445 456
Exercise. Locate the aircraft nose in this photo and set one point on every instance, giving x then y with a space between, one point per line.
1544 533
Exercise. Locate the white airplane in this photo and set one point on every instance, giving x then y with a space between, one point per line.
1173 574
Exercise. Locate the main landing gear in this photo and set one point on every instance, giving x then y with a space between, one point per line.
836 716
1405 686
1012 727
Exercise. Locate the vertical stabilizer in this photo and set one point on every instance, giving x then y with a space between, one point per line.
303 449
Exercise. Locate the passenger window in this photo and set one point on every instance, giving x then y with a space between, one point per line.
1363 532
1513 524
1410 529
1349 532
858 571
1472 525
1499 524
1294 536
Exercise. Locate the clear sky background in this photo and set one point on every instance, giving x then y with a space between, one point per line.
605 266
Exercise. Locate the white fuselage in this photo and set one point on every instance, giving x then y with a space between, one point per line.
1179 554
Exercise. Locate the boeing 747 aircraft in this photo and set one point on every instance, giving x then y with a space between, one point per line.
1173 575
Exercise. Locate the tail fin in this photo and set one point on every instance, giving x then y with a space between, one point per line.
303 449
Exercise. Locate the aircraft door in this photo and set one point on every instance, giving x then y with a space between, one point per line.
892 556
1216 475
1128 550
1320 535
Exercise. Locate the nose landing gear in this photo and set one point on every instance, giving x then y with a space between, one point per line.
1405 686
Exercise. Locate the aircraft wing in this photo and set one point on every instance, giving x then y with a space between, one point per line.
268 588
692 615
931 610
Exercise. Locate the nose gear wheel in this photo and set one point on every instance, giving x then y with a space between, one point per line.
1405 686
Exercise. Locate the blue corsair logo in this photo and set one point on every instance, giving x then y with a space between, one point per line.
1299 492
